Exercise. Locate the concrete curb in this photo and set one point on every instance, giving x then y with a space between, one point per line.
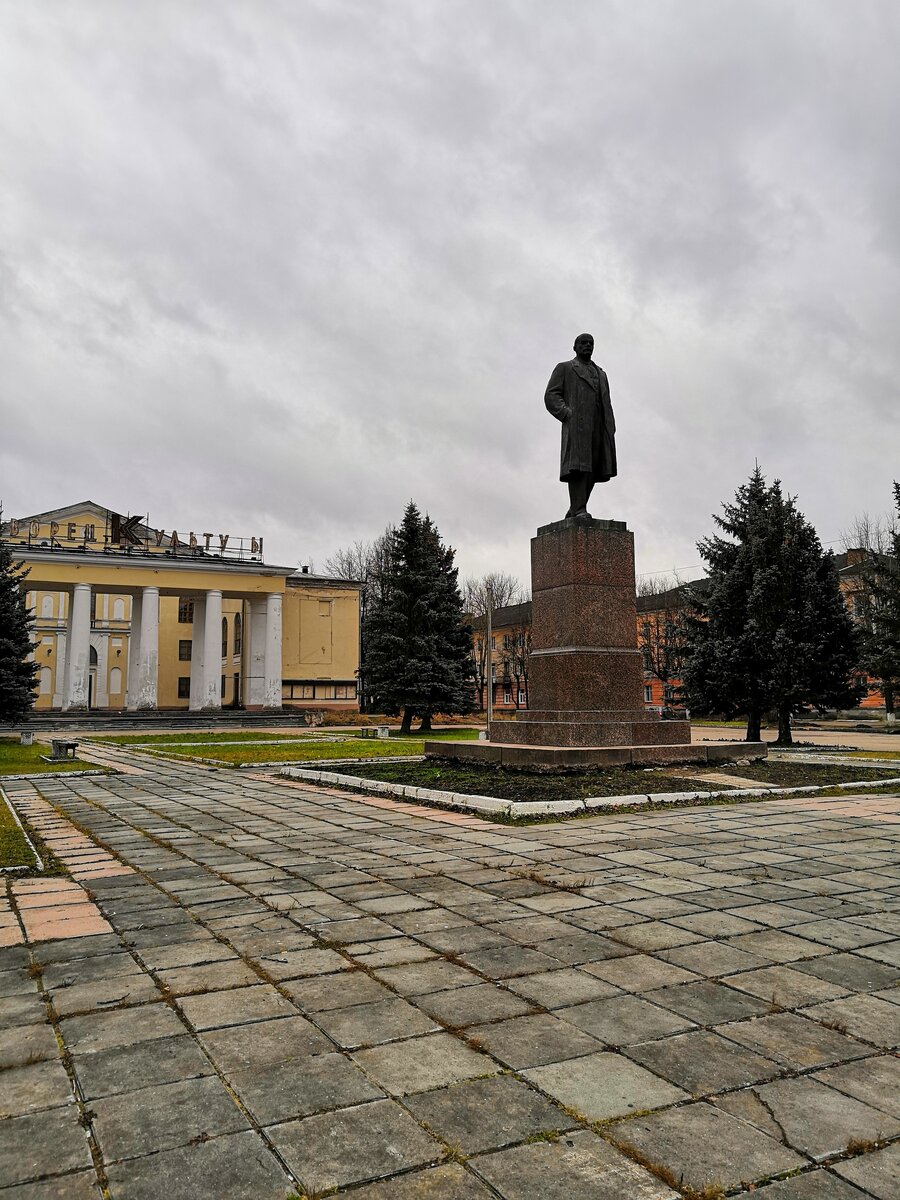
335 762
592 804
56 775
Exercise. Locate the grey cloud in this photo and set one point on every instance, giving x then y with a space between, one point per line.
286 266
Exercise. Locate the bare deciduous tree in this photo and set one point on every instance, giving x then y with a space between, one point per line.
661 628
492 591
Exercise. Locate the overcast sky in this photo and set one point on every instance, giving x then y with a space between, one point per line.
277 266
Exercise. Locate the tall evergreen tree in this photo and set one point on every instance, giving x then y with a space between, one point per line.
771 632
417 647
881 619
17 673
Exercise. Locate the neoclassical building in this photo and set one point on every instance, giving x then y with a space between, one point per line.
128 616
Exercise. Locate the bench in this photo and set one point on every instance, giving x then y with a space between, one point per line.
60 750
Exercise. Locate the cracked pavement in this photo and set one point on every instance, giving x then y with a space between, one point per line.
264 988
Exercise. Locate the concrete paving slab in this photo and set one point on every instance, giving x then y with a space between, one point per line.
43 1143
423 1063
877 1173
103 1031
30 1088
602 1086
374 1024
263 1043
867 1017
816 1185
624 1019
354 1145
875 1081
215 1010
486 1114
448 1182
465 1006
580 1167
145 1064
702 1062
818 1121
298 1087
533 1041
82 1185
239 1166
132 1124
705 1147
796 1042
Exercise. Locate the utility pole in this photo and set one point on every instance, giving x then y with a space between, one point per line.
490 661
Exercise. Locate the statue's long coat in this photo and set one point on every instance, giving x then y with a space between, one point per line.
588 424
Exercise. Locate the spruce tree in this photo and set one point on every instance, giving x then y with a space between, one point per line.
770 632
881 598
17 673
417 646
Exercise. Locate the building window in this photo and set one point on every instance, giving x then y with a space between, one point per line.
224 639
222 687
184 650
521 695
648 661
507 697
238 634
184 687
648 694
185 611
506 641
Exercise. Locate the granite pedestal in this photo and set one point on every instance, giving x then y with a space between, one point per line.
585 672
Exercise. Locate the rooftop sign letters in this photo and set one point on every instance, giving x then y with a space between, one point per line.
129 534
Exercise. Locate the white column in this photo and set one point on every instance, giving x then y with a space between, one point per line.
148 661
197 635
79 649
134 653
272 667
256 654
211 686
59 681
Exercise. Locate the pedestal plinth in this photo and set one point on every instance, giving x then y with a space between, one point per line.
585 672
585 677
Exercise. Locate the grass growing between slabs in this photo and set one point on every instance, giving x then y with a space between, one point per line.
16 759
485 780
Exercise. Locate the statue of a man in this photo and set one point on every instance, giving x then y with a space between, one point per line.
578 396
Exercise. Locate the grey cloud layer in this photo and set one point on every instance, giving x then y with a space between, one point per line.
282 266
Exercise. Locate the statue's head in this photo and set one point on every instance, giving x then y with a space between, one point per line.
584 345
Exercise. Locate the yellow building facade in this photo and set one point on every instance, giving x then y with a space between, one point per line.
131 617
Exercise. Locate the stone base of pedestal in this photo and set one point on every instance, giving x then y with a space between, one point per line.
610 727
591 758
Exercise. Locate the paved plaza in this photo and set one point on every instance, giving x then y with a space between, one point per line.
248 989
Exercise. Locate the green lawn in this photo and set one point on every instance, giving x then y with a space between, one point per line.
14 850
308 751
216 737
473 779
16 759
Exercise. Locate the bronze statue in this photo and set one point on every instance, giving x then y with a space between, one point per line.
578 396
